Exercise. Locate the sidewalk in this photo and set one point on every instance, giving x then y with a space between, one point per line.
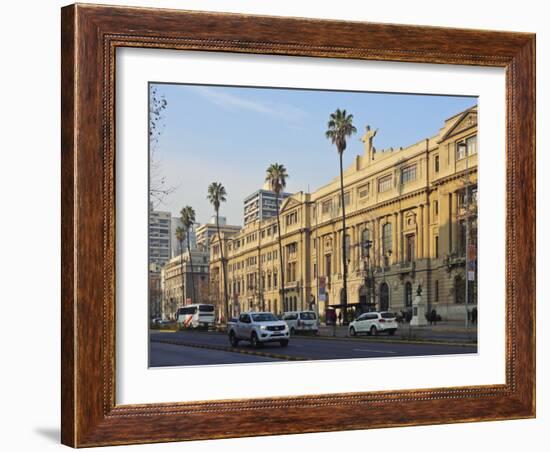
442 331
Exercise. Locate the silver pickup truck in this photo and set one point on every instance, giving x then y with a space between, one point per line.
258 328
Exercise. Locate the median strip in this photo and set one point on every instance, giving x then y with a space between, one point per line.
223 348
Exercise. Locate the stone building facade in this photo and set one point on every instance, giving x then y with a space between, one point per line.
406 216
177 291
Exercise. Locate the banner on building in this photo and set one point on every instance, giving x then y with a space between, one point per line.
322 288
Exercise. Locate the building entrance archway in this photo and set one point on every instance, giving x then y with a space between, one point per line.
384 297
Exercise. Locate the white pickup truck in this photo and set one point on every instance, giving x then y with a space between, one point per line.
258 328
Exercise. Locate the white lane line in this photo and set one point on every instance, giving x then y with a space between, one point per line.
373 351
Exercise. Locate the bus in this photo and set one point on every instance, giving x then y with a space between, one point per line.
195 315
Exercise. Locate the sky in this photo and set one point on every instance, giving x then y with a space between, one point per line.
232 134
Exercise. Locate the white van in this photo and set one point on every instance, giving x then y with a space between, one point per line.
301 321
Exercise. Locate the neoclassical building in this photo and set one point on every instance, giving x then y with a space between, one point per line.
411 214
177 290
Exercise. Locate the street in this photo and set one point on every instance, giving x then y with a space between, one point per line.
185 348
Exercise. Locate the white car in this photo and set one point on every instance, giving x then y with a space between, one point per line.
301 321
258 328
373 323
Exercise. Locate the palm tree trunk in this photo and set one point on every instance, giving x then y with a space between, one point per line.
344 301
192 272
280 252
226 305
182 275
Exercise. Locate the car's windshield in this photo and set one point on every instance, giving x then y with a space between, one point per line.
264 317
388 315
307 315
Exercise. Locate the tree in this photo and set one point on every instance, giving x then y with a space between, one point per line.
188 220
276 176
340 126
157 182
216 195
180 237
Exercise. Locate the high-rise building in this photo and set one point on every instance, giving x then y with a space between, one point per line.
262 204
206 231
159 236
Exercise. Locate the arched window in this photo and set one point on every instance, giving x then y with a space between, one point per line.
408 294
386 238
348 247
384 297
365 243
342 296
459 289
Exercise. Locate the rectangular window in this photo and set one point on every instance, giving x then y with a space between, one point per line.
408 174
436 163
385 183
347 200
409 248
471 145
326 206
436 246
327 265
363 191
436 208
436 290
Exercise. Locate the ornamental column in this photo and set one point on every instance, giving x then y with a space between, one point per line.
395 238
420 217
453 245
426 230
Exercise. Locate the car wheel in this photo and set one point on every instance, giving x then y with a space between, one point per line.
254 341
352 331
233 339
373 331
284 342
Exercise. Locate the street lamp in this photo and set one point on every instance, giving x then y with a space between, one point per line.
369 276
467 228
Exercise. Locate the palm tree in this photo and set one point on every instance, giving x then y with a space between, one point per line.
216 195
340 126
180 237
276 176
188 220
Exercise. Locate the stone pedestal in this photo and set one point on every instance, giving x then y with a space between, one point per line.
419 312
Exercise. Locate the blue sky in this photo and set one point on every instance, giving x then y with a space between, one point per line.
232 134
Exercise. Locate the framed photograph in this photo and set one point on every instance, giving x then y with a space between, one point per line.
282 225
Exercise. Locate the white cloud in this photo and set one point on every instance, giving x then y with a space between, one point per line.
233 102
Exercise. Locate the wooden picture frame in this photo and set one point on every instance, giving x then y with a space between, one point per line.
90 36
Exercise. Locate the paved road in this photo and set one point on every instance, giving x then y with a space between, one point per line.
194 349
176 355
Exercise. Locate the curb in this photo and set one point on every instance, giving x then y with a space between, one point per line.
365 338
392 341
233 350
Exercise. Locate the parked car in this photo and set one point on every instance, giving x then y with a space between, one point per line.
373 323
258 328
301 321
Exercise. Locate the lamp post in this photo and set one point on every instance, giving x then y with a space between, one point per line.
467 230
369 277
385 258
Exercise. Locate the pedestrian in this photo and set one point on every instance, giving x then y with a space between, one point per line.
474 315
433 317
340 318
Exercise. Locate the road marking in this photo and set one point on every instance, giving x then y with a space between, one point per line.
373 351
